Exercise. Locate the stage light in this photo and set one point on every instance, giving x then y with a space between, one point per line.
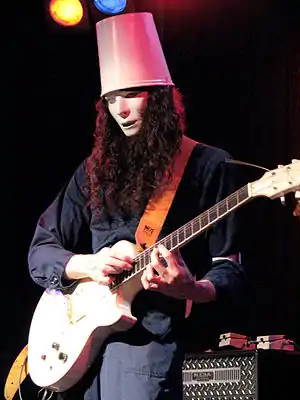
66 12
110 6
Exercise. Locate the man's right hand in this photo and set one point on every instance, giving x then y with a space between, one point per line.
100 267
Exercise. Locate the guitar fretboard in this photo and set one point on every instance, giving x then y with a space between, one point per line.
187 232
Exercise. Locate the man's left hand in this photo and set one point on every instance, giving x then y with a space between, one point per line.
173 279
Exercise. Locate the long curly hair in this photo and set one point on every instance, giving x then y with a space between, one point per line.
123 172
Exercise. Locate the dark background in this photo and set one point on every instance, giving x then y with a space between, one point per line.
237 64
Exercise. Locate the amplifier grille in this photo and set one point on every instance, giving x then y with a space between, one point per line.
215 378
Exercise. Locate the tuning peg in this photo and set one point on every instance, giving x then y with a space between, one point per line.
282 198
296 211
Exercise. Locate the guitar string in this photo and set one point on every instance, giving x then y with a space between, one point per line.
140 259
146 254
190 224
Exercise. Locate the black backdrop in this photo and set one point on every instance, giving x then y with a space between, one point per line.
238 67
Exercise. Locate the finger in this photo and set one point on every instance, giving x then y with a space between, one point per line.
98 277
153 286
126 259
106 280
106 254
108 270
145 281
167 255
178 257
155 263
149 285
118 263
164 251
149 272
114 252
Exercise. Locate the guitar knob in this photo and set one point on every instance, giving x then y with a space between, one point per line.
55 346
63 357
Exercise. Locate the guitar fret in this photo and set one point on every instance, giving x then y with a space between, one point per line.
232 202
188 231
181 235
204 219
177 235
243 193
139 263
212 214
174 240
168 243
147 259
222 208
196 225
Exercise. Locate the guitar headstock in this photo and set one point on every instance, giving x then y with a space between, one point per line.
278 182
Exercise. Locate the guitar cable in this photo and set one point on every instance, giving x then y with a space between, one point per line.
232 161
45 394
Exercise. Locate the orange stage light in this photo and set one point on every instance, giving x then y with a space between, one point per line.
66 12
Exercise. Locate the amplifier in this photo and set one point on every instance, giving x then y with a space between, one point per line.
241 375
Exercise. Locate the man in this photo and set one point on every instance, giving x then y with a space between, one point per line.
86 232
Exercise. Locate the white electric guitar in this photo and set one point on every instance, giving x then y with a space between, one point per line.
68 329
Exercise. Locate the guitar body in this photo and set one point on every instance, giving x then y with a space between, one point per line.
68 329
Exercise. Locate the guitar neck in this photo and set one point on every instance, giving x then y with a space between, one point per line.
205 220
190 230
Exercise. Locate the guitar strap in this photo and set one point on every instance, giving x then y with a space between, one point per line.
16 375
146 235
157 209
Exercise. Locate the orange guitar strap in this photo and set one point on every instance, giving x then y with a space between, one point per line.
16 375
157 209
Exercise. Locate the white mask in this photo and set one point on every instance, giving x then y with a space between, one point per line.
127 107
